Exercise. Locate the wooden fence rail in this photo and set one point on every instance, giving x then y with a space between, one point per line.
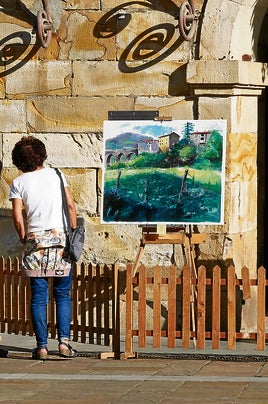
94 304
200 324
183 310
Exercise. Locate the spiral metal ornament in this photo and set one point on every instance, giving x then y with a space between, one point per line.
44 24
188 17
44 27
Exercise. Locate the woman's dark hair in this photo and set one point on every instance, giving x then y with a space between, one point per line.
28 154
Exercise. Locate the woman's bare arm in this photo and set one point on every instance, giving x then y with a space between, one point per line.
71 207
17 208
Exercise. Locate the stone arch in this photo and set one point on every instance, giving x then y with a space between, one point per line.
132 155
109 159
224 23
121 156
262 46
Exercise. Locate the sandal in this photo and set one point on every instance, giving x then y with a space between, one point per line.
40 353
66 351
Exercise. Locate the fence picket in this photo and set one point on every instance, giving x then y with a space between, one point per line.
106 311
201 307
116 321
157 308
23 303
15 300
90 305
172 307
9 296
129 310
82 299
142 307
216 306
98 307
186 298
231 307
246 283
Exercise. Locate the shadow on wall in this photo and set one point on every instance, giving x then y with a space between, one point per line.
18 8
147 49
11 52
16 48
150 46
178 85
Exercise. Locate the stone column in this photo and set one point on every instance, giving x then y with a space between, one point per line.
229 90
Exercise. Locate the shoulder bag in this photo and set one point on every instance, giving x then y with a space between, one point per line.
75 237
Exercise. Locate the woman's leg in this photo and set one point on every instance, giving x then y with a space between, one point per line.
62 287
39 287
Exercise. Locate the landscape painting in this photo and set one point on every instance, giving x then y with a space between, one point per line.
163 171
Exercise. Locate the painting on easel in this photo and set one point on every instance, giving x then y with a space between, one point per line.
163 171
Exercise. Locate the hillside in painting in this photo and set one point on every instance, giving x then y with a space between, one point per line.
126 140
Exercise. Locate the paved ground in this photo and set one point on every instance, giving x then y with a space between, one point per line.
153 377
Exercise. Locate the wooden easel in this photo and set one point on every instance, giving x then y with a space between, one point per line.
174 235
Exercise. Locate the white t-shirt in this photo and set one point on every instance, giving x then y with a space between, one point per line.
40 192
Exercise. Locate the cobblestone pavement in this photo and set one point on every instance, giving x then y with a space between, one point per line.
147 379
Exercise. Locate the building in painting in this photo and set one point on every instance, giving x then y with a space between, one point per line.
200 138
166 142
148 146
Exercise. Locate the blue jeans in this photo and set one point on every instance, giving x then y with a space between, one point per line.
61 291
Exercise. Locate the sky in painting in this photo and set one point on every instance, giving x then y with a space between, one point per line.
158 128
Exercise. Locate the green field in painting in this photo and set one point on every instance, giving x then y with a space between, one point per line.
156 195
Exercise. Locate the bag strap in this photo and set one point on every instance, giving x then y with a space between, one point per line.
65 210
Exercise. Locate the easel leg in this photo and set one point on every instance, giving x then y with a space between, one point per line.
138 258
190 261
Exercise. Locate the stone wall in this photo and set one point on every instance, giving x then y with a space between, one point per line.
111 55
62 95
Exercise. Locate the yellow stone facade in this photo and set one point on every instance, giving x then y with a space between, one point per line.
113 55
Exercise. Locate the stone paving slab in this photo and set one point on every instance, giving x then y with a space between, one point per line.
94 380
88 379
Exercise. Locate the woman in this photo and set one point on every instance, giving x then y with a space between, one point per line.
38 191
